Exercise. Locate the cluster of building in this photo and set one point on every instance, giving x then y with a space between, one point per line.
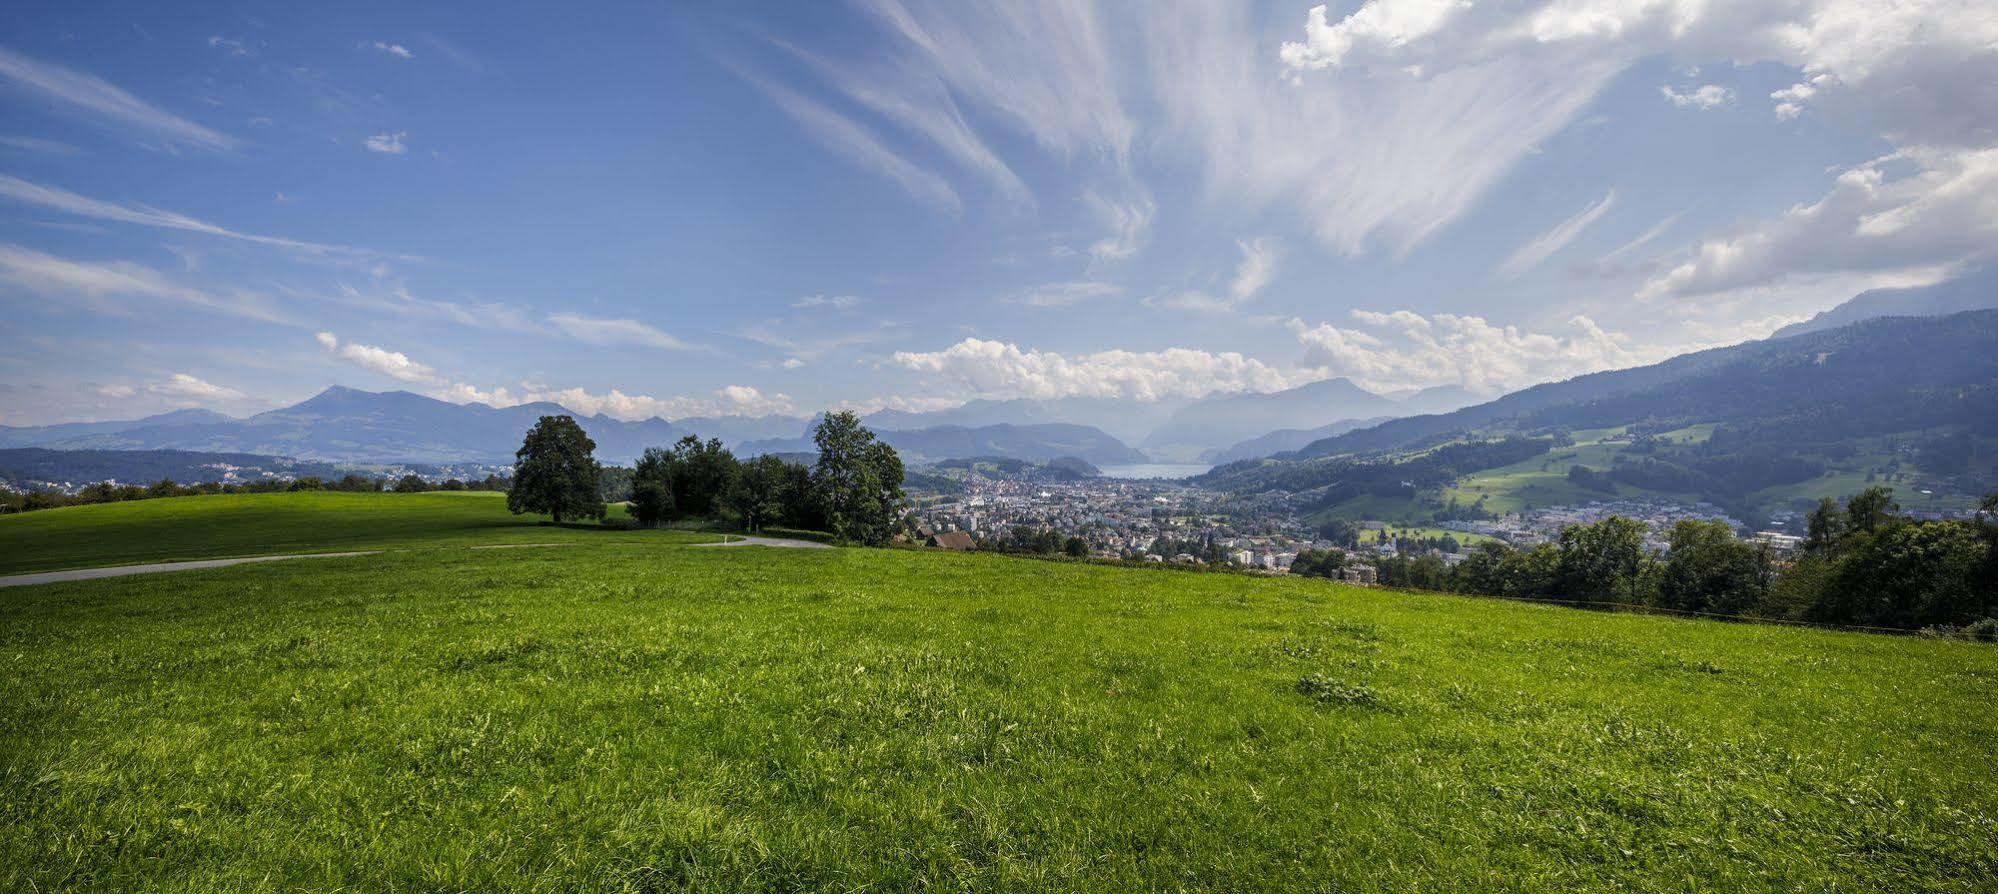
1161 521
1526 529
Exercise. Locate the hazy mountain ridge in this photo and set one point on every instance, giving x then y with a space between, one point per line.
1974 291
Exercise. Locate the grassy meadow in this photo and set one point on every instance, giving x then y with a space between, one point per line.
632 713
223 525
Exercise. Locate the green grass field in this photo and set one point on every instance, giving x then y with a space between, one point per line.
631 713
270 524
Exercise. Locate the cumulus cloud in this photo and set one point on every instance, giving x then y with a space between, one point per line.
1706 96
390 49
394 364
1403 349
94 96
1919 207
998 369
387 143
1540 247
729 400
615 332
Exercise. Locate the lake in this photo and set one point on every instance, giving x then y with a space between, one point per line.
1155 470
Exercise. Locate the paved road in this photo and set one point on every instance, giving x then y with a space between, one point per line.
49 577
781 542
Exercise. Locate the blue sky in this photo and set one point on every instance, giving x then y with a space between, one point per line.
689 209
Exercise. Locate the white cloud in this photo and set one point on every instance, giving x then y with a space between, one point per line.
1403 349
394 364
1063 294
1258 266
836 302
859 146
615 332
1543 246
187 388
1252 273
1919 207
793 363
117 392
30 193
920 103
1926 67
998 369
1925 72
397 299
1642 239
390 49
1044 66
1129 221
38 145
388 143
229 45
1704 97
730 400
88 93
54 277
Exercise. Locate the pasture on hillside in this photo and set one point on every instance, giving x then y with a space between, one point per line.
629 712
223 525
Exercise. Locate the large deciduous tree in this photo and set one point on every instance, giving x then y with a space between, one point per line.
757 492
555 474
858 478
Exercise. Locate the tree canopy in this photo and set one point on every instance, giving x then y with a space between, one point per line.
555 473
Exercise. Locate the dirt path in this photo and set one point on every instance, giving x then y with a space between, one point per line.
50 577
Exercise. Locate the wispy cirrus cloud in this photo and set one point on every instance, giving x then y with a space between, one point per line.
602 331
850 140
96 282
1543 246
58 199
91 95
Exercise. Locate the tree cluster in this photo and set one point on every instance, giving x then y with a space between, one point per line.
1863 564
853 491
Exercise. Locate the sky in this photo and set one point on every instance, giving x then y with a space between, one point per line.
684 209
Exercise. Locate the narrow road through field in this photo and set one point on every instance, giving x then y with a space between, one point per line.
50 577
780 542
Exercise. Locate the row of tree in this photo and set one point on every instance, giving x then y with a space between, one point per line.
853 490
108 492
1863 564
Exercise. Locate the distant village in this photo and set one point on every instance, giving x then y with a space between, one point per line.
1155 520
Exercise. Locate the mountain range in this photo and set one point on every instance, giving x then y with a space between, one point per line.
345 425
1894 393
1972 291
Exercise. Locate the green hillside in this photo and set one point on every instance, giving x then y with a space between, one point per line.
631 713
218 525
